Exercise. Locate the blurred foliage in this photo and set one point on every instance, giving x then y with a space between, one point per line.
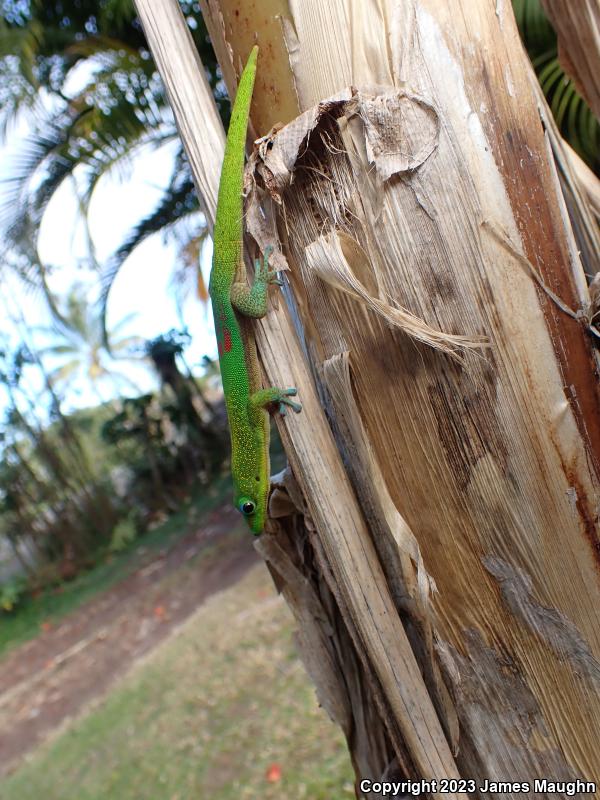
74 487
82 74
53 507
574 118
12 591
47 606
198 416
124 534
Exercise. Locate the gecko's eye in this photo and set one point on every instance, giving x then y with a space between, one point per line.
247 507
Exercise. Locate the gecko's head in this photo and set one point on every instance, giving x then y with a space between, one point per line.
249 466
253 511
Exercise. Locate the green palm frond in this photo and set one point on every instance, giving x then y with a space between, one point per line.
116 13
56 349
63 374
550 75
187 279
118 161
32 273
128 348
98 45
118 109
123 323
22 45
534 25
44 158
574 118
100 137
178 201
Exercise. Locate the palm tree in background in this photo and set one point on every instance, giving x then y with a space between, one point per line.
82 76
80 348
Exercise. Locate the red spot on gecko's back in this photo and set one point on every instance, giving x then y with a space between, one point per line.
227 340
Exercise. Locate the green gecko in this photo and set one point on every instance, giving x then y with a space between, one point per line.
234 303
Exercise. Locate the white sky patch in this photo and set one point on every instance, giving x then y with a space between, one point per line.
142 286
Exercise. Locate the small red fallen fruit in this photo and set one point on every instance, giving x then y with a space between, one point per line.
273 773
46 626
160 612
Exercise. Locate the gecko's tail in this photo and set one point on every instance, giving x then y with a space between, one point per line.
232 170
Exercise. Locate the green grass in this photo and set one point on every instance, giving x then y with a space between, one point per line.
51 605
204 716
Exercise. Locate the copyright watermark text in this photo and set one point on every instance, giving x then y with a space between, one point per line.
466 786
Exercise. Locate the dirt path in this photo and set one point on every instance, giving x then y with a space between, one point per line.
53 677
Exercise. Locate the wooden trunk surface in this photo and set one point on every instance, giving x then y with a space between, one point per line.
460 531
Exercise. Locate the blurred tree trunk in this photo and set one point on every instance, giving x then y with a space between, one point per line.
198 417
444 567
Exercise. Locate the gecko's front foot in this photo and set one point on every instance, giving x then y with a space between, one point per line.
264 398
284 401
263 273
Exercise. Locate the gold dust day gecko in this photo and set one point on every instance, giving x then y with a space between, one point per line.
234 303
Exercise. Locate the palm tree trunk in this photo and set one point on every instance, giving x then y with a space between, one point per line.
442 554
